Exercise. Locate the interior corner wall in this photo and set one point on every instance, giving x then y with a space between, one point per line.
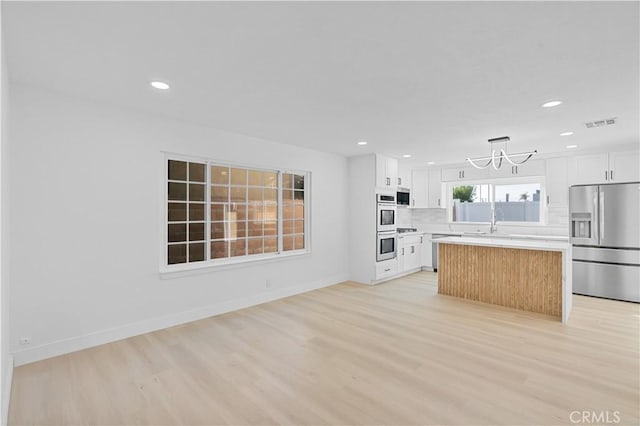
85 204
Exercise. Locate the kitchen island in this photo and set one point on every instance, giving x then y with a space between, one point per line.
527 274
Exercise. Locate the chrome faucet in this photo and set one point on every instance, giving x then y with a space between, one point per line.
494 223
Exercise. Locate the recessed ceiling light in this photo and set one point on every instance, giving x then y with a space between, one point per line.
161 85
407 155
566 133
431 162
571 146
362 143
551 104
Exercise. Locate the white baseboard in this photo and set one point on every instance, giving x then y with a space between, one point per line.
73 344
6 391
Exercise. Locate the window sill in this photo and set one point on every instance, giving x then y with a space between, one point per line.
177 271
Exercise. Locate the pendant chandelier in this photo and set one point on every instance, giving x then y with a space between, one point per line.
496 158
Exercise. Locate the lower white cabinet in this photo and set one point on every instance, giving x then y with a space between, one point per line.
386 268
409 252
426 251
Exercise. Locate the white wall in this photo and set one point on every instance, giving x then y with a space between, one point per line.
6 361
85 201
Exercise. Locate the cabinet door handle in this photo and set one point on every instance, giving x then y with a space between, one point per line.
413 201
388 181
387 270
611 175
399 181
516 169
413 249
606 175
420 240
402 251
547 200
463 174
438 201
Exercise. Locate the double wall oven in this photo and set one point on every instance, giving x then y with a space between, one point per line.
386 227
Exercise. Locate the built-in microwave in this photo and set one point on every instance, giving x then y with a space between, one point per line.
386 245
386 217
403 196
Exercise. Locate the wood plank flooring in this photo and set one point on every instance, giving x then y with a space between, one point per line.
396 353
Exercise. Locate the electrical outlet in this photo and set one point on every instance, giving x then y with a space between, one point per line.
25 340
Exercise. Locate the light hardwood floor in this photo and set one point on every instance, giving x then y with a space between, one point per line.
396 353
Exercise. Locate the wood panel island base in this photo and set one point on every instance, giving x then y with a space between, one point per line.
533 276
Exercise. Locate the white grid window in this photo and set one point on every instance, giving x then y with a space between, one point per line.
220 213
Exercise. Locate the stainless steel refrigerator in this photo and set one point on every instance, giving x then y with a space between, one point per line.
605 234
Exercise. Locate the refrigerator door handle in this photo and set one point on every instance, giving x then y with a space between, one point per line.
601 214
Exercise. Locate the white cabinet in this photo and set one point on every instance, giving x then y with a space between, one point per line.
409 252
463 173
404 176
435 190
612 167
426 251
557 185
530 168
386 172
419 188
386 268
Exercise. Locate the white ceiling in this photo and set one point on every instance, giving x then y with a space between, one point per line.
432 79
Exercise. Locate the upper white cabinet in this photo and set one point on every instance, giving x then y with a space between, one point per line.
419 188
386 172
463 173
404 176
557 185
530 168
435 190
610 167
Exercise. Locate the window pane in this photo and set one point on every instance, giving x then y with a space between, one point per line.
219 194
287 243
177 212
237 230
270 245
219 230
271 228
196 252
177 170
287 211
288 226
219 249
196 174
270 179
299 242
255 229
196 192
196 211
238 212
271 212
238 177
177 191
298 182
239 194
271 195
255 194
471 203
254 211
287 195
299 210
255 246
177 232
298 195
517 202
176 253
220 175
218 211
196 231
255 178
299 226
287 181
238 247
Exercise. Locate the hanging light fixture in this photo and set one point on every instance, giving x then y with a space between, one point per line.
496 158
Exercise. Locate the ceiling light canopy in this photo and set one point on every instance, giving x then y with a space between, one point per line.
431 163
407 155
571 146
495 159
551 104
161 85
362 143
566 133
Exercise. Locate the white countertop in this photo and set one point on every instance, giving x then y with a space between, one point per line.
510 242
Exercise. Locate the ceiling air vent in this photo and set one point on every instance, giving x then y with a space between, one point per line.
600 123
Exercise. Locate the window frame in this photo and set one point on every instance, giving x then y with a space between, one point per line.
492 182
238 261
